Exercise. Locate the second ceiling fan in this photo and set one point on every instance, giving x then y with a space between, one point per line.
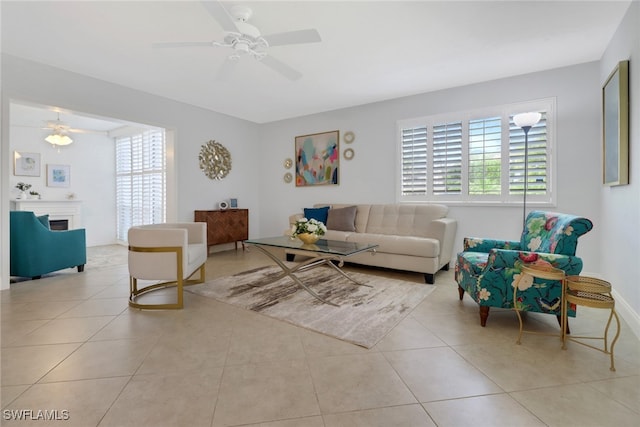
245 39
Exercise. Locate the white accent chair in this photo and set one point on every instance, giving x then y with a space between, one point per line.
168 252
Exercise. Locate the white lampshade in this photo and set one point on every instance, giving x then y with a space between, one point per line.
58 139
526 119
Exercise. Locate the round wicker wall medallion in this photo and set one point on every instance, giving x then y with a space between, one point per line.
215 160
349 153
349 137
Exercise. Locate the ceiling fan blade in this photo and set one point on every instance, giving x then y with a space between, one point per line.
226 69
30 126
182 44
281 67
220 14
293 37
87 131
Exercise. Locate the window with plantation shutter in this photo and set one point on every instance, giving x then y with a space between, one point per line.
536 158
140 180
447 158
414 161
477 157
485 141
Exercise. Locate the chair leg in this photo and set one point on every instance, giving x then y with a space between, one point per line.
80 268
460 292
484 313
429 279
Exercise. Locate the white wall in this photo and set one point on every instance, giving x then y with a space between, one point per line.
370 176
191 126
621 205
91 160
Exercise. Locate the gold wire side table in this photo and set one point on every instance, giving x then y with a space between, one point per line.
548 273
594 293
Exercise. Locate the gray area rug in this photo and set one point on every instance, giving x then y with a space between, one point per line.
364 316
106 256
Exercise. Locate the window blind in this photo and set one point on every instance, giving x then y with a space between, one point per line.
447 158
476 156
537 168
140 180
414 161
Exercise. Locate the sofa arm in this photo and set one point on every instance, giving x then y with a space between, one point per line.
196 232
444 230
476 244
295 217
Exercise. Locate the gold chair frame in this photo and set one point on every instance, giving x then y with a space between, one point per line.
179 283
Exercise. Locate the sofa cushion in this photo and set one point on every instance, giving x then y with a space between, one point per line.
342 219
319 214
341 236
404 220
401 245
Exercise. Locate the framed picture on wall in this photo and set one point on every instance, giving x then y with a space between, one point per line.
26 164
317 159
615 126
58 175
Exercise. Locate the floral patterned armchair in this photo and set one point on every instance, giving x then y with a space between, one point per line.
488 270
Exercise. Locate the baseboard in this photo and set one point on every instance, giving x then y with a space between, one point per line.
625 311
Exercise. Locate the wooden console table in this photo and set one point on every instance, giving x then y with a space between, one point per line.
225 226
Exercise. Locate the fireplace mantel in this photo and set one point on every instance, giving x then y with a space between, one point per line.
71 210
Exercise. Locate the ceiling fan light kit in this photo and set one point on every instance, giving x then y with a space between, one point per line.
245 39
58 139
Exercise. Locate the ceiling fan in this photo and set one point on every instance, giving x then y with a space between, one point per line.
58 127
245 39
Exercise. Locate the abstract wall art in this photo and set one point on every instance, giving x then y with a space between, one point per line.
317 159
58 175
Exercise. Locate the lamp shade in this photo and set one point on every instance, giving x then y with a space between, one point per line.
526 119
58 139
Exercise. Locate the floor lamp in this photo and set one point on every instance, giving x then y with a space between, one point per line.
526 121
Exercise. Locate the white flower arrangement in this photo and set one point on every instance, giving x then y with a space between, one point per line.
311 226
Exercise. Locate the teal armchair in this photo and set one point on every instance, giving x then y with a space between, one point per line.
488 270
36 250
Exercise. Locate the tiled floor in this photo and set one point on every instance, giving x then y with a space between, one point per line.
70 344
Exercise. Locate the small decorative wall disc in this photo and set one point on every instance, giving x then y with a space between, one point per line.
215 160
288 177
349 137
349 153
288 163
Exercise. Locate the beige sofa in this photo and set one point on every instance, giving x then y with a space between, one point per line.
411 237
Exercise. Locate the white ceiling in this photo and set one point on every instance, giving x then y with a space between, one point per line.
370 50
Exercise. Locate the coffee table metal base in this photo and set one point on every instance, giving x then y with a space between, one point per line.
316 260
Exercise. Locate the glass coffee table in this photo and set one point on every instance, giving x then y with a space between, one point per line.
323 252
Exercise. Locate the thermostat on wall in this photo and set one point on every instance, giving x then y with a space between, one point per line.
223 205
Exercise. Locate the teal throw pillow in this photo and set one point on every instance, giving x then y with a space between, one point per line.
44 219
319 214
